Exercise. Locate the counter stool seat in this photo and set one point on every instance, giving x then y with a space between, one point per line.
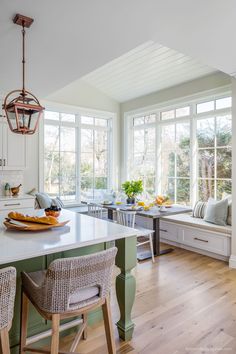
71 287
90 293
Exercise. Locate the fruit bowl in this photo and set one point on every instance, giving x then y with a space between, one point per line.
163 201
53 211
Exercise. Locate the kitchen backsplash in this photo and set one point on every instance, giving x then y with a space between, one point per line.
14 178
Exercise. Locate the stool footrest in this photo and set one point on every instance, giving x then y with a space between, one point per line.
43 351
48 333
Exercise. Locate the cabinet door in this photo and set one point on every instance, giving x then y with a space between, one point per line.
1 145
14 150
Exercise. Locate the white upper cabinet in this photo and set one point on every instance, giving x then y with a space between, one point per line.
12 149
1 144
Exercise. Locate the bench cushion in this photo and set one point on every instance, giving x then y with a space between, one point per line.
188 220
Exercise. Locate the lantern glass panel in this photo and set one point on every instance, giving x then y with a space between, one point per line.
27 118
11 115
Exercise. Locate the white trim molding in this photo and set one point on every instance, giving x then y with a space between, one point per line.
232 261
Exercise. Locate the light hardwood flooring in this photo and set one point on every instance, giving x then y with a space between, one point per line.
185 304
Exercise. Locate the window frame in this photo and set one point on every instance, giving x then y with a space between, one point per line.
191 101
79 112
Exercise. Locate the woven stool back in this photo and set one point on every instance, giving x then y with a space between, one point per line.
7 295
67 276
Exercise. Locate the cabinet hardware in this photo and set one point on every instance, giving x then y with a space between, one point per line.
4 162
199 239
163 230
0 162
12 204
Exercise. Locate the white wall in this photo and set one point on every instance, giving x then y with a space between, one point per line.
205 83
190 88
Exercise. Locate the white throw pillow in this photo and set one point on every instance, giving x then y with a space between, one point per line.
229 216
216 211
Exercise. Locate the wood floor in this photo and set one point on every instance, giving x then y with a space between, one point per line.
185 304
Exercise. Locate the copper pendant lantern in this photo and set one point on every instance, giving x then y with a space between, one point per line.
22 108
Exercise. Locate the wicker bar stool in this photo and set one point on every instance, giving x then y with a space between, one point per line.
7 299
70 287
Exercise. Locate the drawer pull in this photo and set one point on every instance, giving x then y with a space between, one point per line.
12 204
163 230
199 239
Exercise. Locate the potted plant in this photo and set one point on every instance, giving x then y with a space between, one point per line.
132 189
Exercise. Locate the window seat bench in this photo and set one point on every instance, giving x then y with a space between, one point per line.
182 230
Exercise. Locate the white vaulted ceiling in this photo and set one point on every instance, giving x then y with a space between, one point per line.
147 68
70 39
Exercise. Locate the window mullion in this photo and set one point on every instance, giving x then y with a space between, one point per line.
175 179
59 155
158 186
93 163
215 161
78 157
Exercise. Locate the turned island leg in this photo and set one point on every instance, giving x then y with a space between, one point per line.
126 284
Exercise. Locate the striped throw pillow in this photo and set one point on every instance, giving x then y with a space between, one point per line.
199 209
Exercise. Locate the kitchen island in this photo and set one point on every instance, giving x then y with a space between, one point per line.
32 251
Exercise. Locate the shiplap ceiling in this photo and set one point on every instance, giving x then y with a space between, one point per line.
148 68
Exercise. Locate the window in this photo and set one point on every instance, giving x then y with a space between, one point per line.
214 156
185 151
176 113
77 156
144 119
144 151
94 166
175 162
60 156
205 107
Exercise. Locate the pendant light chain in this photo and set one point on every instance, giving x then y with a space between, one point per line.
23 57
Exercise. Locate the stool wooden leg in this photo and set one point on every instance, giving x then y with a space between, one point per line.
55 334
24 321
108 327
85 319
5 341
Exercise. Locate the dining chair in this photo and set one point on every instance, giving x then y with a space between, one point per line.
7 299
95 210
70 287
127 218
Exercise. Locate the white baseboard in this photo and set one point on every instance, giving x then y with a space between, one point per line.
232 261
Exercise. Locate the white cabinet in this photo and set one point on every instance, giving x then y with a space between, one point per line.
12 149
20 202
215 243
169 231
1 145
192 237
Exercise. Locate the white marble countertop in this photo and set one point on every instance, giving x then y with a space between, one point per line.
81 231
